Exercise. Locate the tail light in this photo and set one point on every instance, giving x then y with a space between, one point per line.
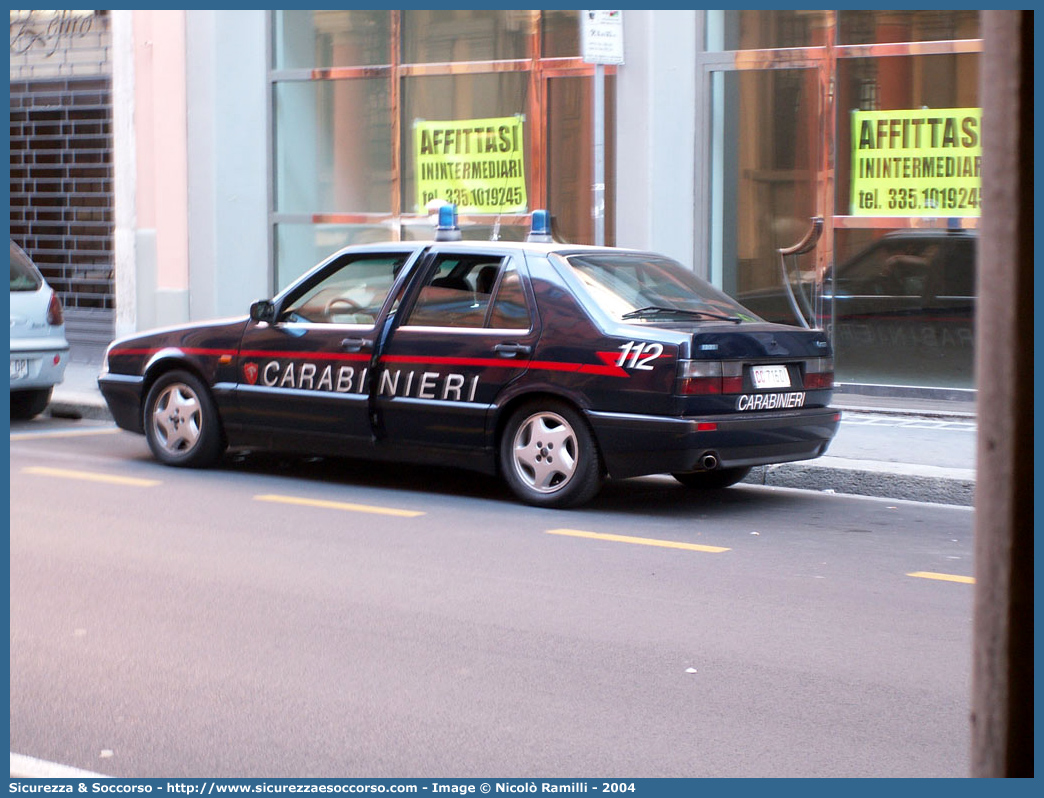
708 377
54 311
819 374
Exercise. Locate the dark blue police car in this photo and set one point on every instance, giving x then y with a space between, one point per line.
554 365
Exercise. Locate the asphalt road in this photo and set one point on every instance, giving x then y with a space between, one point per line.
287 617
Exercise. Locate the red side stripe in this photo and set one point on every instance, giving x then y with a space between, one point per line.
478 362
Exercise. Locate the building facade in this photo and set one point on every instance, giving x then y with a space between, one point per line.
248 145
62 159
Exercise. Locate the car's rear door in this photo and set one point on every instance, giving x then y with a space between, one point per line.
466 334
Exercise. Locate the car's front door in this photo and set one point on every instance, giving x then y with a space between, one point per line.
468 332
306 374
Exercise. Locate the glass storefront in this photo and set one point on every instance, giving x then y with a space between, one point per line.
377 116
868 120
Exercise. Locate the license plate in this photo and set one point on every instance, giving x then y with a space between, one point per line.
770 376
19 369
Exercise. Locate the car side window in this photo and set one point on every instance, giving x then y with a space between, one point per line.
510 311
353 293
458 292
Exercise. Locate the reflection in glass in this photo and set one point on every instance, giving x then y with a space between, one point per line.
333 146
570 162
762 29
323 39
870 27
763 168
902 307
434 37
560 34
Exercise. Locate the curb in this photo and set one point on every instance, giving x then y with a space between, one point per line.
894 481
71 407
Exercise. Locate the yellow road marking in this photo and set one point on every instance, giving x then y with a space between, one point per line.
355 508
77 433
90 476
666 544
967 580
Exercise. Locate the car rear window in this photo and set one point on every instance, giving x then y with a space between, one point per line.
621 283
24 276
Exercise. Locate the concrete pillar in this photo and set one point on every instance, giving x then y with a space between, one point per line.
1002 663
656 169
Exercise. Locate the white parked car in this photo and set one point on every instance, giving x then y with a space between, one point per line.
39 350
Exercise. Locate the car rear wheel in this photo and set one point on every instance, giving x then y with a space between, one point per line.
29 404
712 480
181 422
549 457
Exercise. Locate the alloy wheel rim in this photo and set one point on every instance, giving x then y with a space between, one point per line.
544 453
177 418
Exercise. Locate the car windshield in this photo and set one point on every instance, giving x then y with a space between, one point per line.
640 286
24 276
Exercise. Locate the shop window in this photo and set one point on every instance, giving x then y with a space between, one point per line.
464 98
569 135
346 96
763 29
560 34
874 27
326 39
464 35
899 83
900 305
332 146
764 157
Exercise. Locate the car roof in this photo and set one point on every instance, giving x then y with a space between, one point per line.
470 245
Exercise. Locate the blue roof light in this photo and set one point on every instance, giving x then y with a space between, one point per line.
447 229
540 228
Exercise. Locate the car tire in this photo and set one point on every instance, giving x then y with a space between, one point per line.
712 480
181 422
29 404
549 456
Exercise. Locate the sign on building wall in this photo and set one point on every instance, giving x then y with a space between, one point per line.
925 162
601 37
475 164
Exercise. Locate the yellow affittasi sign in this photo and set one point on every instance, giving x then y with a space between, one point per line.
475 164
925 162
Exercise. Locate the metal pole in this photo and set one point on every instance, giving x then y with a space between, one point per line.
598 183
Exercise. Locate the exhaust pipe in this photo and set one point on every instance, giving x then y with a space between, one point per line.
709 461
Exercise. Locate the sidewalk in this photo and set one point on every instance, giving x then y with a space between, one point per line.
918 450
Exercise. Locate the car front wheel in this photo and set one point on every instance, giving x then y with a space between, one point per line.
549 456
181 422
712 480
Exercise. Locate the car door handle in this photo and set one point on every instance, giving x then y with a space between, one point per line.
355 344
510 350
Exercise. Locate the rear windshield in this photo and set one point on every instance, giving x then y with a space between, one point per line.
24 276
622 284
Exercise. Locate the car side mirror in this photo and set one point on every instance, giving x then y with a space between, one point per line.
263 310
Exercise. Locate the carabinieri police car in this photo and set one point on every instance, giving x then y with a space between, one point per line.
554 365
